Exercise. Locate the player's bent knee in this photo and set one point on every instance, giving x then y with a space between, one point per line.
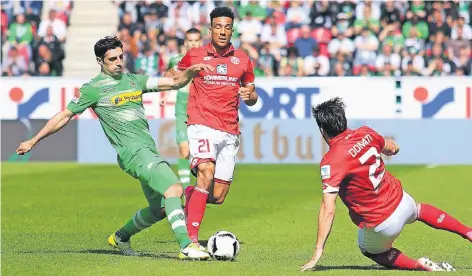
158 212
174 190
365 253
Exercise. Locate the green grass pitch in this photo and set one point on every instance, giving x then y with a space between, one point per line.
56 218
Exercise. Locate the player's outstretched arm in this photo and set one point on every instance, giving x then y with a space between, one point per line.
181 79
53 125
325 221
391 148
248 94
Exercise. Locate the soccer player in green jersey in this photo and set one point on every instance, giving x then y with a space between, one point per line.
193 38
116 98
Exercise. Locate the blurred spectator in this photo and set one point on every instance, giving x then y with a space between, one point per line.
276 11
58 26
454 45
367 45
44 70
438 24
416 8
14 65
316 64
292 65
409 70
365 71
392 36
367 22
199 12
148 62
127 23
249 28
388 57
389 14
342 26
412 55
274 34
339 60
341 43
296 15
267 62
55 46
460 26
420 26
46 56
414 41
258 12
63 9
20 35
463 60
34 19
305 43
320 15
373 6
178 19
35 6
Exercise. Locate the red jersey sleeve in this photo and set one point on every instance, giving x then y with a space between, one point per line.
248 76
332 174
185 62
378 139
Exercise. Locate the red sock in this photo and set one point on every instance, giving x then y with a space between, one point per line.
188 193
196 210
439 219
394 258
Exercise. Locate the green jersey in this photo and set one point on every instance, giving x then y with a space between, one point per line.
182 93
117 101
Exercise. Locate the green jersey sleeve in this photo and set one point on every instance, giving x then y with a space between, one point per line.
173 62
85 98
142 83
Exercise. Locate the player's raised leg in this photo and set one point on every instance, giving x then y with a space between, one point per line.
439 219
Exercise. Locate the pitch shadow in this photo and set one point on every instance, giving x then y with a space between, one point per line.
159 255
350 267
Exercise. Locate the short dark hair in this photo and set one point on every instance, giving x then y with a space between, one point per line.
193 31
105 44
221 12
330 117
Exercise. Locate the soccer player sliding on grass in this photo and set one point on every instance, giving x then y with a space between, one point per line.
353 169
116 98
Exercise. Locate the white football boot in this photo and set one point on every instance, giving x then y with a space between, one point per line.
425 263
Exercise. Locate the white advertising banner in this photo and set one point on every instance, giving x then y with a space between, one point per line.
280 98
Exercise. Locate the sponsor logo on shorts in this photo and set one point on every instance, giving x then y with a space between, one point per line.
235 60
325 171
127 97
441 218
221 69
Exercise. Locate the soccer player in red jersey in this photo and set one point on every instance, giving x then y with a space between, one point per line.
353 169
213 104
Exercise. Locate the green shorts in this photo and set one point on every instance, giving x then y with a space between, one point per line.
153 172
181 129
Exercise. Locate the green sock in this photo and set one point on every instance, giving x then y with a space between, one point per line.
184 172
140 221
176 217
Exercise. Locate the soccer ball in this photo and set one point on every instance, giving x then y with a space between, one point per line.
223 246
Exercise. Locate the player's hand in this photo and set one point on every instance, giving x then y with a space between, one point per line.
312 263
200 67
24 147
245 93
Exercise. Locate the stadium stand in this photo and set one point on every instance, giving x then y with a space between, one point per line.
311 38
33 38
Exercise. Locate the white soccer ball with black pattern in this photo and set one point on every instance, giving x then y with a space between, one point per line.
223 246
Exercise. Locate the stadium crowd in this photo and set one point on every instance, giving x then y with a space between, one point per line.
311 38
30 45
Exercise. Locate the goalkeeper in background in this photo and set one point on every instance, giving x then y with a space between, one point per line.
116 98
193 39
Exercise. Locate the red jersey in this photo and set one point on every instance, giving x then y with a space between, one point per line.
213 97
354 168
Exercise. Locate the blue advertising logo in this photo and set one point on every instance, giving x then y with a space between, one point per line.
275 104
429 109
25 109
